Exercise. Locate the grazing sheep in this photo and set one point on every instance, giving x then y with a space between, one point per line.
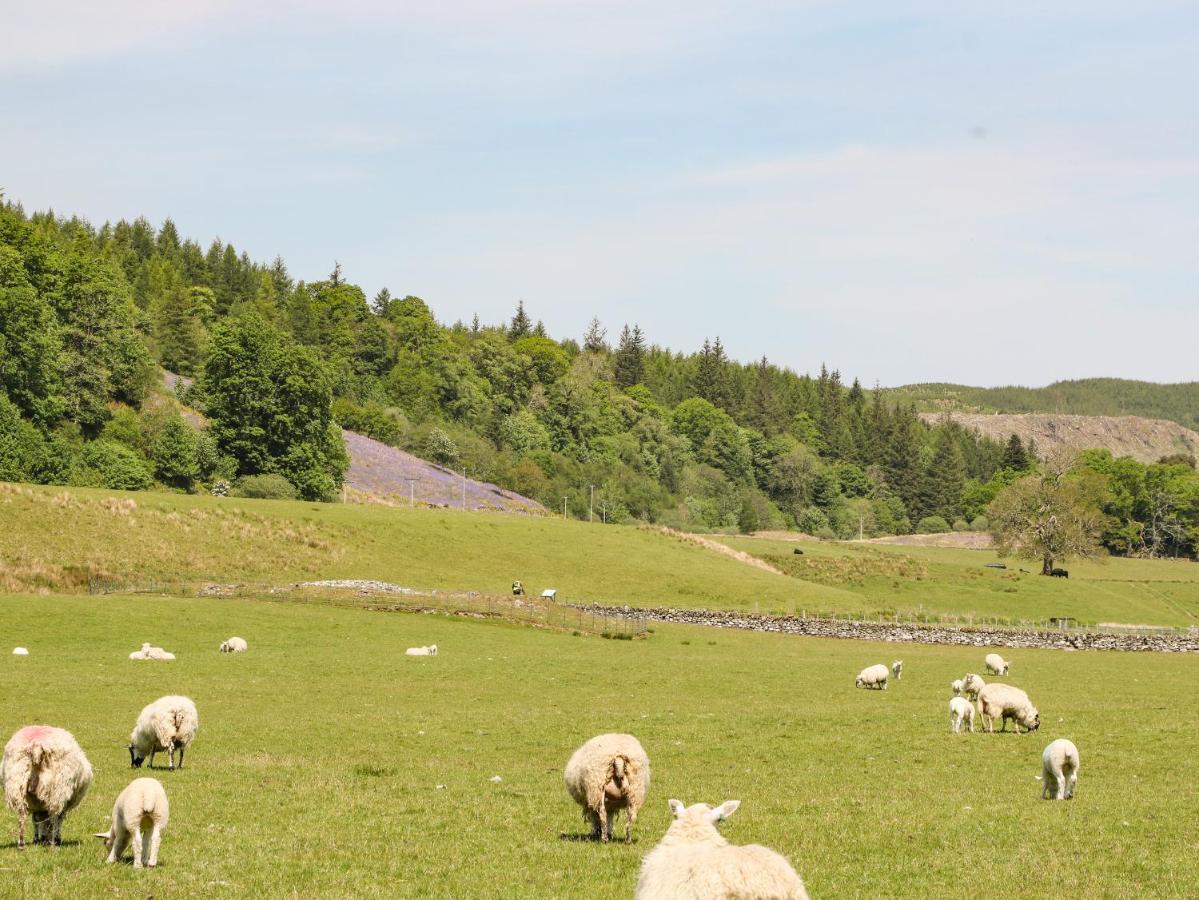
234 645
897 669
1007 702
873 676
605 775
19 651
1059 770
957 686
44 772
149 652
170 724
960 710
972 684
693 861
142 805
431 650
996 664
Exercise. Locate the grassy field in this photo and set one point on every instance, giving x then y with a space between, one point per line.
321 751
54 540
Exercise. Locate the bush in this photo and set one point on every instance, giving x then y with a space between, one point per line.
980 523
960 525
440 448
265 487
105 463
812 521
932 525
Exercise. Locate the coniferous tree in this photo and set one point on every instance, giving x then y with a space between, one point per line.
539 329
902 462
946 477
593 340
1014 455
521 325
381 302
630 357
179 330
710 381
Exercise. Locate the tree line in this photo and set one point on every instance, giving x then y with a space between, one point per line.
693 440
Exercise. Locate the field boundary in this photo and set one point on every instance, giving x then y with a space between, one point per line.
1159 640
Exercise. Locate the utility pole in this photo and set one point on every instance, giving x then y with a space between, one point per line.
591 508
563 508
464 489
411 492
605 506
860 535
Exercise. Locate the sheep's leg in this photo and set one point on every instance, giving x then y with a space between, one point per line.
21 828
152 752
171 755
182 747
56 831
119 841
602 815
630 818
155 840
138 841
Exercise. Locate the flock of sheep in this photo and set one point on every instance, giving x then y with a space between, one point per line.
46 774
1059 761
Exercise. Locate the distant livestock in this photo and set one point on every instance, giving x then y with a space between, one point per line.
956 685
44 772
693 861
1059 573
234 645
961 711
141 807
996 664
1007 702
168 724
19 651
872 677
149 652
608 773
1059 770
897 669
431 650
972 684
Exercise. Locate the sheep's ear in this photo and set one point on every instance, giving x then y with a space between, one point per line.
676 807
725 810
102 835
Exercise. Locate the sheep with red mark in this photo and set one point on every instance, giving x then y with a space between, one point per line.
45 773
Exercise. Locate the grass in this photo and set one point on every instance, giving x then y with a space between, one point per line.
317 768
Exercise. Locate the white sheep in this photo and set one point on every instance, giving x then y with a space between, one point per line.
693 861
234 645
873 676
149 652
142 805
19 651
44 772
957 686
607 774
897 669
431 650
1008 702
960 710
972 684
170 724
1059 770
996 664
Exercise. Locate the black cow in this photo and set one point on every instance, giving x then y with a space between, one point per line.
1059 573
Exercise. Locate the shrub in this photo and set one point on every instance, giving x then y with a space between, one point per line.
440 448
812 521
980 523
960 525
265 487
932 525
105 463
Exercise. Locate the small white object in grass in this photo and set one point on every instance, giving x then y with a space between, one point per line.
420 732
495 779
441 787
19 651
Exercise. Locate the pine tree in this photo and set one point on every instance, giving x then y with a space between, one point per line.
1014 455
539 329
281 278
946 477
381 302
474 325
335 278
710 380
630 357
521 325
902 461
180 331
593 340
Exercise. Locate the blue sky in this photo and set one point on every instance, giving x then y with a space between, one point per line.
909 191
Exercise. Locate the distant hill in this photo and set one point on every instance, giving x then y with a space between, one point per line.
1147 440
1084 397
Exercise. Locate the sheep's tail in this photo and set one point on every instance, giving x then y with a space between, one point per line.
618 767
18 774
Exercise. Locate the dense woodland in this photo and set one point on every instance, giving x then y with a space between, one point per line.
694 440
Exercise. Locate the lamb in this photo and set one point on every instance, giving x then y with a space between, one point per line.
19 651
142 805
234 645
693 861
607 774
873 676
957 686
996 664
431 650
45 772
149 652
170 724
1007 702
1059 770
897 669
972 684
960 710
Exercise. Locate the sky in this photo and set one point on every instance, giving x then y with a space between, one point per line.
906 191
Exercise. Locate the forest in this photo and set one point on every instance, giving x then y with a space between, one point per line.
89 318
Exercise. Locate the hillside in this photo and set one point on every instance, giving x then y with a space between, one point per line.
1146 440
1085 397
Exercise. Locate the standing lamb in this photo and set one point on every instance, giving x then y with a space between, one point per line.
170 724
234 645
1059 770
45 772
960 710
605 775
897 669
142 805
1003 700
972 685
693 861
873 676
431 650
996 664
957 685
